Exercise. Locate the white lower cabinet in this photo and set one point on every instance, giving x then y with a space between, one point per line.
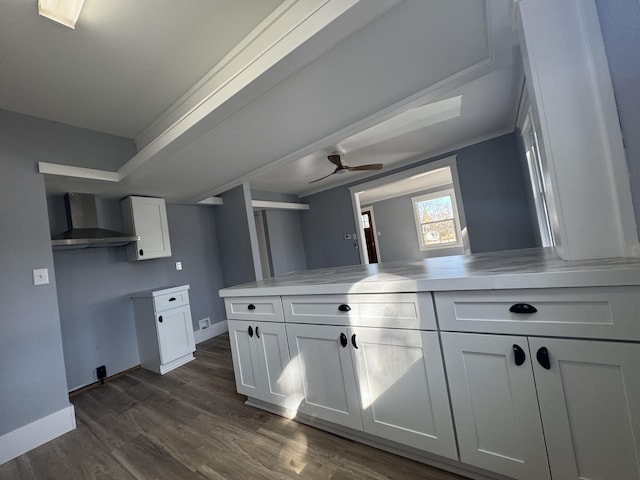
511 396
325 374
261 362
386 382
495 407
164 328
590 406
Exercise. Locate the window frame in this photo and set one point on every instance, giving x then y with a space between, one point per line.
441 192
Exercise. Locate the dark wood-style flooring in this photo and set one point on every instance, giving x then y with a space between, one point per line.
191 424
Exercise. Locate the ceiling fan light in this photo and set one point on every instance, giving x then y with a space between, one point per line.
65 12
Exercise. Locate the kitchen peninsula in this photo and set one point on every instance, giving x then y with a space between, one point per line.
502 365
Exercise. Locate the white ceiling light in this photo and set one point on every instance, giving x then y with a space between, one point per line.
65 12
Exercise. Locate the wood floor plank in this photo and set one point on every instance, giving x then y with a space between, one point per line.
191 424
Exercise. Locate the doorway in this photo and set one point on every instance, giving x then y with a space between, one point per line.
370 235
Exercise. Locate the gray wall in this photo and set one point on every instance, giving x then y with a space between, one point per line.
619 21
32 370
285 241
94 286
274 196
236 257
494 187
329 218
495 194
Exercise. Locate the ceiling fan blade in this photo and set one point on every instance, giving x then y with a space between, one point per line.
372 166
335 159
322 178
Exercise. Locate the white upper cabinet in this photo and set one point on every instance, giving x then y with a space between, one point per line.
147 218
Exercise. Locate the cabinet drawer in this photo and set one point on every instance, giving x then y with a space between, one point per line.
171 300
598 312
265 309
401 310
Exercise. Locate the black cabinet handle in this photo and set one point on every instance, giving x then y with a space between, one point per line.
258 332
353 341
250 330
344 308
543 358
141 252
343 340
160 318
251 306
172 299
523 308
519 354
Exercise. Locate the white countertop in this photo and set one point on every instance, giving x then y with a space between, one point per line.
156 292
530 268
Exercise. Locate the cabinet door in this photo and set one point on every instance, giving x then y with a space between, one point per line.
403 389
590 406
495 407
175 333
274 364
244 355
325 373
150 220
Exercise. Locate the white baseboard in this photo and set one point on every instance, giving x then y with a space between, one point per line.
213 331
34 434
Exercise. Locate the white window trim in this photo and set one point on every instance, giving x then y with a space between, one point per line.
441 192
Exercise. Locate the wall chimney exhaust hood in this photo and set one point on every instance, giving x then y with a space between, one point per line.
84 232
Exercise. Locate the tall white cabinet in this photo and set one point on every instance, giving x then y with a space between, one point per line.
146 217
164 328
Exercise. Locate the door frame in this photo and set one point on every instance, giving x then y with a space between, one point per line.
372 217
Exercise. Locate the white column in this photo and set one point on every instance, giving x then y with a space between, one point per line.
581 145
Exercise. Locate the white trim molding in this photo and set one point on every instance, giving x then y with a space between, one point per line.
34 434
77 172
279 205
214 330
581 146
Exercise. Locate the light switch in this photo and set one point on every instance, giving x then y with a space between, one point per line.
40 276
178 265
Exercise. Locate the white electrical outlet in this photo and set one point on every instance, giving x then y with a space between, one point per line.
178 265
40 276
205 323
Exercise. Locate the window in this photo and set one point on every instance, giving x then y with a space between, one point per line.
436 220
536 170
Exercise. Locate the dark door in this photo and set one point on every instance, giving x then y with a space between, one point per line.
369 236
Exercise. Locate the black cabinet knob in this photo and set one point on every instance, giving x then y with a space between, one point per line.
343 340
258 332
251 306
523 308
344 308
250 331
519 354
353 341
172 299
543 358
160 318
141 252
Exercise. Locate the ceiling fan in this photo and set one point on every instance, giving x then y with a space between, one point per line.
342 168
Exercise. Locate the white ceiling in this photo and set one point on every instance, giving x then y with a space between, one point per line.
215 93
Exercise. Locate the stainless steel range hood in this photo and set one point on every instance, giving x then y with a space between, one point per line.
84 232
